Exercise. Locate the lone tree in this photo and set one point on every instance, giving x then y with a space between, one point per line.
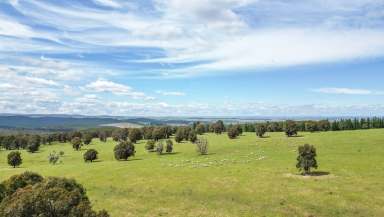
76 143
29 194
306 159
14 159
290 128
90 155
124 150
233 132
261 129
202 146
169 146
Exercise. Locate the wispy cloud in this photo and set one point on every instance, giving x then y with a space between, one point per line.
170 93
102 85
348 91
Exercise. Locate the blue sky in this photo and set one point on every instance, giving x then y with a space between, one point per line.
197 57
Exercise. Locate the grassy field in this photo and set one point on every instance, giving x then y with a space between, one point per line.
248 176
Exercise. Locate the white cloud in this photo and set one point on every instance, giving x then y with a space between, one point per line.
102 85
170 93
347 91
108 3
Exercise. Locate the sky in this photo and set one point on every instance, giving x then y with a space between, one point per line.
192 58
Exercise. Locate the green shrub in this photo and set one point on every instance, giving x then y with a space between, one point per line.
14 159
90 155
76 143
261 129
159 147
150 145
53 158
202 146
169 146
36 196
124 150
306 158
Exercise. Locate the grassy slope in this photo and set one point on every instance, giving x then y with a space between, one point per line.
233 180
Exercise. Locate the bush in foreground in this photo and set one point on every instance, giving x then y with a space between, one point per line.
202 146
29 194
124 150
306 158
90 155
14 159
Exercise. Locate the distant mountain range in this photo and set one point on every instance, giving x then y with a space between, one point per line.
68 122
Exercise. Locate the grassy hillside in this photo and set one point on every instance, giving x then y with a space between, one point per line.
247 176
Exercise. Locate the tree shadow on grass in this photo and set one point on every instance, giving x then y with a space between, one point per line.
298 136
319 173
172 153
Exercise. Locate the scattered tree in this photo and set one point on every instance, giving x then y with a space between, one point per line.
202 146
87 139
192 137
135 135
169 146
53 158
76 143
150 145
232 132
159 147
290 128
260 129
90 155
14 159
306 158
200 129
33 144
124 150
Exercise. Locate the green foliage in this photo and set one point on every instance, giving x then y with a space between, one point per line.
33 144
90 155
14 159
159 147
87 138
232 132
150 145
306 158
290 128
135 135
53 157
192 136
76 143
124 150
200 129
202 146
36 196
260 129
16 182
169 146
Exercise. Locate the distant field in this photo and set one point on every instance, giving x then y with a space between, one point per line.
248 176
